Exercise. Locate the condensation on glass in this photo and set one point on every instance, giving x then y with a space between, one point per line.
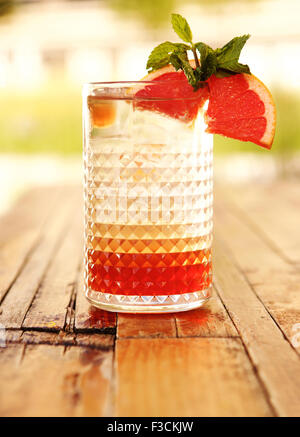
148 203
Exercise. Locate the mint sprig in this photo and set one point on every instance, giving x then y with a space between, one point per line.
221 62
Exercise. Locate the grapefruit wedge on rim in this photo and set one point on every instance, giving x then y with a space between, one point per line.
170 94
240 106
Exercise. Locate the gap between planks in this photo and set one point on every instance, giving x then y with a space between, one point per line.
95 340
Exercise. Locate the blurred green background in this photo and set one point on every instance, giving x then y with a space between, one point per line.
48 49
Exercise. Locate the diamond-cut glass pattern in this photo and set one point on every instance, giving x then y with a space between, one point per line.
148 210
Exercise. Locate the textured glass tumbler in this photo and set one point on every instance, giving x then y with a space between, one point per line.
148 199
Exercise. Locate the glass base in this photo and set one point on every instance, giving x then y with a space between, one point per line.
148 304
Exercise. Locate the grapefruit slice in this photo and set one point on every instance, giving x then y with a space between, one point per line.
240 106
170 94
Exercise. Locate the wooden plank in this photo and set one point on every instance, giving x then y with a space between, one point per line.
20 231
51 382
94 340
89 318
211 320
50 304
274 211
39 337
146 325
276 362
19 298
186 377
29 211
50 338
254 254
97 341
10 356
276 282
10 336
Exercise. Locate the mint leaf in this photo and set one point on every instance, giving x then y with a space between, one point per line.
228 55
188 69
160 55
182 28
238 68
209 67
203 49
180 61
208 60
233 47
175 61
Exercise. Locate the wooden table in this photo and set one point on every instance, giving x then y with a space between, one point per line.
238 356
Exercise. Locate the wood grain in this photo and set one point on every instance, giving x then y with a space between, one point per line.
20 231
186 377
11 336
50 304
95 341
38 337
276 362
211 320
74 383
274 213
241 361
146 325
275 281
21 294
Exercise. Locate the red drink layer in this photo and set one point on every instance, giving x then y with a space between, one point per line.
149 274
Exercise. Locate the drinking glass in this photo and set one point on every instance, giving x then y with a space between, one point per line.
148 199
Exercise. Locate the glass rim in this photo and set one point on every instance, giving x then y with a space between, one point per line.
111 85
122 82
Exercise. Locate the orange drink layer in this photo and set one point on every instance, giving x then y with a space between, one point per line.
103 113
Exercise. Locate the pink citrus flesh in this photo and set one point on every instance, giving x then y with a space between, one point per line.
240 106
